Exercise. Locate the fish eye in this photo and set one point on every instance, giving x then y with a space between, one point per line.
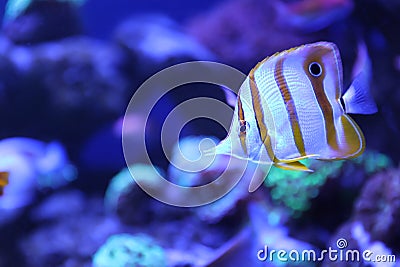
243 126
315 69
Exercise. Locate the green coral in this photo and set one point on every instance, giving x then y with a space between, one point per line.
125 250
295 189
14 8
373 162
123 181
119 184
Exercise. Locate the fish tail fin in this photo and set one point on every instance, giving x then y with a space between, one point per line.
263 165
358 99
255 183
293 166
209 152
223 148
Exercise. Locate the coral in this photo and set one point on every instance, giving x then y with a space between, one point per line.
374 224
373 162
240 32
191 167
126 199
378 207
53 207
154 42
264 232
69 237
225 207
72 82
295 189
83 71
33 165
270 231
353 236
151 43
3 181
233 203
35 21
364 240
55 85
312 15
131 204
124 250
121 183
187 158
134 207
14 8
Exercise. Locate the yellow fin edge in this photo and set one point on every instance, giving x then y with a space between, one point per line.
293 166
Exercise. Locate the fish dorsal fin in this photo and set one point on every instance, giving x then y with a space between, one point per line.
293 166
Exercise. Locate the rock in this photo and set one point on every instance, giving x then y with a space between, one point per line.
69 240
65 90
153 42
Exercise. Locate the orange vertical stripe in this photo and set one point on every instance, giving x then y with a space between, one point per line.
242 136
290 107
318 87
259 116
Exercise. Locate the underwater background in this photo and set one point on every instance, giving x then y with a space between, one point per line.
68 69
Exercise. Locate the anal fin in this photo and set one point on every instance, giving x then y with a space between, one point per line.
298 158
292 166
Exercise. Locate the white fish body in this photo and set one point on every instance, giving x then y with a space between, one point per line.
289 108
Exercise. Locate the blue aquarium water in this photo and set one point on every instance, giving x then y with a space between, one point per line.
199 133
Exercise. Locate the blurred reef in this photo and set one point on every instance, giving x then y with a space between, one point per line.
66 77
